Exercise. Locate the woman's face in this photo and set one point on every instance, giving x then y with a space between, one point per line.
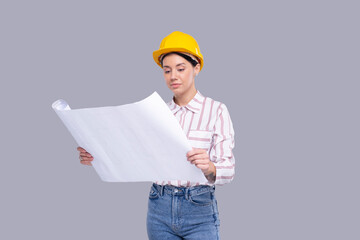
179 74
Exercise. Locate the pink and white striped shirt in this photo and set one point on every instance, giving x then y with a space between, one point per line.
207 124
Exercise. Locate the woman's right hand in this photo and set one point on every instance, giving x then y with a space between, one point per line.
85 157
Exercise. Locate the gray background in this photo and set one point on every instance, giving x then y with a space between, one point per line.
287 70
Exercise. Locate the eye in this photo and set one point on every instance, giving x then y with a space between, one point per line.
181 69
167 71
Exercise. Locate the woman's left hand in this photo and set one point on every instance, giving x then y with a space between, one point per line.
201 159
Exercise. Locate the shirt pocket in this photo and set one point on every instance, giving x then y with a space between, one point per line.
200 139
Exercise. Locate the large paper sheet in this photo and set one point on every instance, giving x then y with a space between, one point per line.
141 141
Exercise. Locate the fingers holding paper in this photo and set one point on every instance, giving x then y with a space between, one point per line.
200 158
85 157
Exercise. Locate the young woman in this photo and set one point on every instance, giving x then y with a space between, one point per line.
180 209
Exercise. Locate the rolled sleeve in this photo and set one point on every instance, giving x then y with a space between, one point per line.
221 153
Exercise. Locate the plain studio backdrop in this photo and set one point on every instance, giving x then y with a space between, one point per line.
288 72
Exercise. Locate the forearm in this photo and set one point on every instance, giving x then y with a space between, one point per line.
221 153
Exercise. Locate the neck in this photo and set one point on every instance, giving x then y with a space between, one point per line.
185 98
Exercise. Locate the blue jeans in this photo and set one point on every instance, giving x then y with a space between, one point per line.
182 213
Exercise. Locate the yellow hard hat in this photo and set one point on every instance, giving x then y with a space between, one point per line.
179 42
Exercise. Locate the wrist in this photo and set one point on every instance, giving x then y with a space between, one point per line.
211 169
210 174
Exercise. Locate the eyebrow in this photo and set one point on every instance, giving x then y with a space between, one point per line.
175 66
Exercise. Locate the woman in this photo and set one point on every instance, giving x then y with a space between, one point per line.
183 209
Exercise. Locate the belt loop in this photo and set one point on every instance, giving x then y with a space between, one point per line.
187 193
162 190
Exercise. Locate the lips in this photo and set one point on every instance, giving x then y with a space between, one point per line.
175 85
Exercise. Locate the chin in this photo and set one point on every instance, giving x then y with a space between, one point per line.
174 89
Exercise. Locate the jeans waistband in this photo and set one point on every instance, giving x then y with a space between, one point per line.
186 191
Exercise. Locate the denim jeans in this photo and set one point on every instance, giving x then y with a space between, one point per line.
182 213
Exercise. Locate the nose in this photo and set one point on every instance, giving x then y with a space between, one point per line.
173 75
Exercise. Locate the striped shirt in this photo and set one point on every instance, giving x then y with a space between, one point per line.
207 125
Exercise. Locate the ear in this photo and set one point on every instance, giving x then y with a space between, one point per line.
197 69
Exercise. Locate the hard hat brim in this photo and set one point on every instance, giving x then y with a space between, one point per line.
158 53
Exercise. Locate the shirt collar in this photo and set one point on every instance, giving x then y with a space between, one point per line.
194 105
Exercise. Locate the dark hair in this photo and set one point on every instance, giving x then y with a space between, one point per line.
187 57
